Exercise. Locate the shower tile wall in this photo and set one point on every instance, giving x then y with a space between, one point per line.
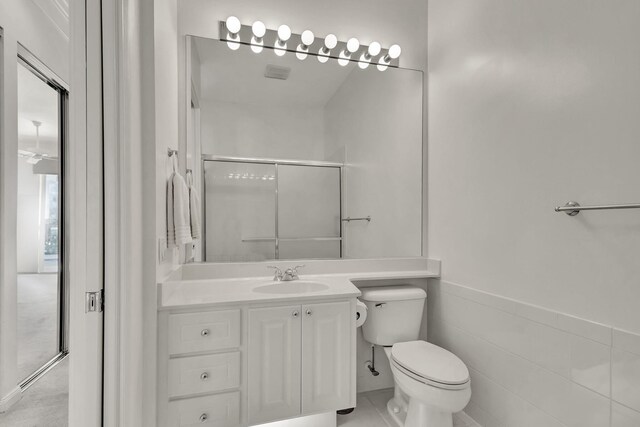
535 367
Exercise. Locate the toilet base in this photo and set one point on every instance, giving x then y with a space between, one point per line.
417 414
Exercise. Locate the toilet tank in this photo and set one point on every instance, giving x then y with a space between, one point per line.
394 313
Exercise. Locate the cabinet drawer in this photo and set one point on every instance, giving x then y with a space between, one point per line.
199 374
221 410
211 330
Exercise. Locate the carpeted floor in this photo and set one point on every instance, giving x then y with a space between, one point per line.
37 321
45 403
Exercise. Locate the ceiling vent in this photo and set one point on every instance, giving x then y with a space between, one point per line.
276 72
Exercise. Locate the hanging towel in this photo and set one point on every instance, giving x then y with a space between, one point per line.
194 208
178 220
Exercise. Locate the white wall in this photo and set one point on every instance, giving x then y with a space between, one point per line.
22 22
402 22
166 66
243 130
532 104
375 119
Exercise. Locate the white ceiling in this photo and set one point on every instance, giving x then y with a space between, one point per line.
37 101
238 77
57 11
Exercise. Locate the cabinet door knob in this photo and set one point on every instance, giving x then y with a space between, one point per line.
204 332
204 417
309 312
295 313
204 376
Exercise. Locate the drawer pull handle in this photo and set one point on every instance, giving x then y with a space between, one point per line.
204 333
204 376
295 313
309 312
204 417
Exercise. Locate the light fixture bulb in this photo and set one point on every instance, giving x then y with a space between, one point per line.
382 64
363 63
302 52
233 45
284 33
331 41
280 51
394 51
256 46
343 59
259 30
233 25
323 58
353 45
307 37
374 49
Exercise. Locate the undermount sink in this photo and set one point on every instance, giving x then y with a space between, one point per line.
292 287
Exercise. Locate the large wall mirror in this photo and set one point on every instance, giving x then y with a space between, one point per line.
298 159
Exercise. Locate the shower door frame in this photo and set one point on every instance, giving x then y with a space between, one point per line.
275 163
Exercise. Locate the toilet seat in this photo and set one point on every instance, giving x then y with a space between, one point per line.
429 364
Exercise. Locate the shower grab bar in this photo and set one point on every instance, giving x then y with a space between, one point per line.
573 208
349 219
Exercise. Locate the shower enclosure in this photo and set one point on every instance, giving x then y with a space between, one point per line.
263 209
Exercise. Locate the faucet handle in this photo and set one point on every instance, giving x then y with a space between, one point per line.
277 273
297 267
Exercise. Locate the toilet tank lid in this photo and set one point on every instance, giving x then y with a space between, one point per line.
392 293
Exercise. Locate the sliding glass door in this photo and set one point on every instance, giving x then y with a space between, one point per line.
262 210
308 212
240 211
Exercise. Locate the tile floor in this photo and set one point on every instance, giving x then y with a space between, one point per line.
372 412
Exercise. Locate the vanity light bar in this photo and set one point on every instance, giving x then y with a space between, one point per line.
283 40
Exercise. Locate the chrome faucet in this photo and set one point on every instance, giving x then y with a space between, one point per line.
277 276
291 273
288 275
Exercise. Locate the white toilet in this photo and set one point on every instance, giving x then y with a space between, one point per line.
431 383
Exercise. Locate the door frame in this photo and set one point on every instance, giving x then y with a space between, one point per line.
85 201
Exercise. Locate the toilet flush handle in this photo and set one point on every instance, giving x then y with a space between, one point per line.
381 304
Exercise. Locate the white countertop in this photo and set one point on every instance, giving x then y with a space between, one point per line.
175 294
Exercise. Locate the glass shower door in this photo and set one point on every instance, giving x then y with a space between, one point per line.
308 212
240 211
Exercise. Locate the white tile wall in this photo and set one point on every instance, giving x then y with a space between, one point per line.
534 367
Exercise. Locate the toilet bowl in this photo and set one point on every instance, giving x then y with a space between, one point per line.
431 383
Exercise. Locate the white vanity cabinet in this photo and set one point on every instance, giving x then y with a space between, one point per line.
299 360
255 362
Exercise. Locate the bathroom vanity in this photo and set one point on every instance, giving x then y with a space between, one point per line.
236 348
249 351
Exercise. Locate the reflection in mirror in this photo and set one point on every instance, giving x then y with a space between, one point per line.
293 149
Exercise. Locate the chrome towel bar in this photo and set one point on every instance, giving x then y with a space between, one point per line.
573 208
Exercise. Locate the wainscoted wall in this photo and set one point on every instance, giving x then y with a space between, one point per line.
535 367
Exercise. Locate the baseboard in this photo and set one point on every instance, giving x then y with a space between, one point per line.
10 399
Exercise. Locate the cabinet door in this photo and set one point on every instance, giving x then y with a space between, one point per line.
326 355
274 363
